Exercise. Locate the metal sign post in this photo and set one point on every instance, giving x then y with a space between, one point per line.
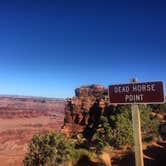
137 132
137 135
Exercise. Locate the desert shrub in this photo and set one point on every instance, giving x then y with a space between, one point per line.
116 130
159 108
149 127
50 149
164 106
103 134
121 125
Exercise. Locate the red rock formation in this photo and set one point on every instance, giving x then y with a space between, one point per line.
92 90
78 109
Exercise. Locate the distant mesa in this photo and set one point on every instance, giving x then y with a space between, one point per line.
12 107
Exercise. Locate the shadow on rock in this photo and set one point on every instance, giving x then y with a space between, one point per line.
157 154
154 156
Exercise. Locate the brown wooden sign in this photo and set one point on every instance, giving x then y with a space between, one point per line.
146 92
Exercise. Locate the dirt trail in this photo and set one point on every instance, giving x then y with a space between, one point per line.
154 155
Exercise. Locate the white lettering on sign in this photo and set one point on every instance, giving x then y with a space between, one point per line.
144 88
134 98
121 89
135 88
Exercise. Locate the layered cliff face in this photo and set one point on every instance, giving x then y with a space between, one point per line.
24 107
20 119
87 105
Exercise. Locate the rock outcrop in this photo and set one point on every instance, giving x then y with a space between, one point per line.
92 90
88 105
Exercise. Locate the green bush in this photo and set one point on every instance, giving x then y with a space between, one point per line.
116 130
162 108
121 124
103 134
149 127
159 108
50 149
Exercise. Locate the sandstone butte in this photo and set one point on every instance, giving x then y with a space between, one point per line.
78 109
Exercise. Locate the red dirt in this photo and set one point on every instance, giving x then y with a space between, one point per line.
154 155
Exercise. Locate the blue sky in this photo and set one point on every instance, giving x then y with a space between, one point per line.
50 47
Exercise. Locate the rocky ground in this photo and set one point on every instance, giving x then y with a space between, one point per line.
154 155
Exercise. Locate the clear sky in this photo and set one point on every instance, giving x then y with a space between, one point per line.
50 47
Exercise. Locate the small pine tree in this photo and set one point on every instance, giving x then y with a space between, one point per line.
50 149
